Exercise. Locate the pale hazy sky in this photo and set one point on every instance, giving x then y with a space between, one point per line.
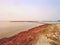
30 10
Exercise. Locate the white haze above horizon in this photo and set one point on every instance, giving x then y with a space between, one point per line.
29 10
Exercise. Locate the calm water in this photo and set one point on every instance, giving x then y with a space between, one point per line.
8 29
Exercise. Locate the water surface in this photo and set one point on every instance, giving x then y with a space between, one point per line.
8 29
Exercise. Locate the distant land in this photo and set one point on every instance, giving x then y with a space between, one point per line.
30 21
41 22
36 21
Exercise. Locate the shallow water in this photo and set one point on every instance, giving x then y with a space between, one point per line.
8 29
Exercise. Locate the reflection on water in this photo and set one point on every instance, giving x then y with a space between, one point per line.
10 28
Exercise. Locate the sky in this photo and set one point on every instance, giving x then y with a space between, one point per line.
29 10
